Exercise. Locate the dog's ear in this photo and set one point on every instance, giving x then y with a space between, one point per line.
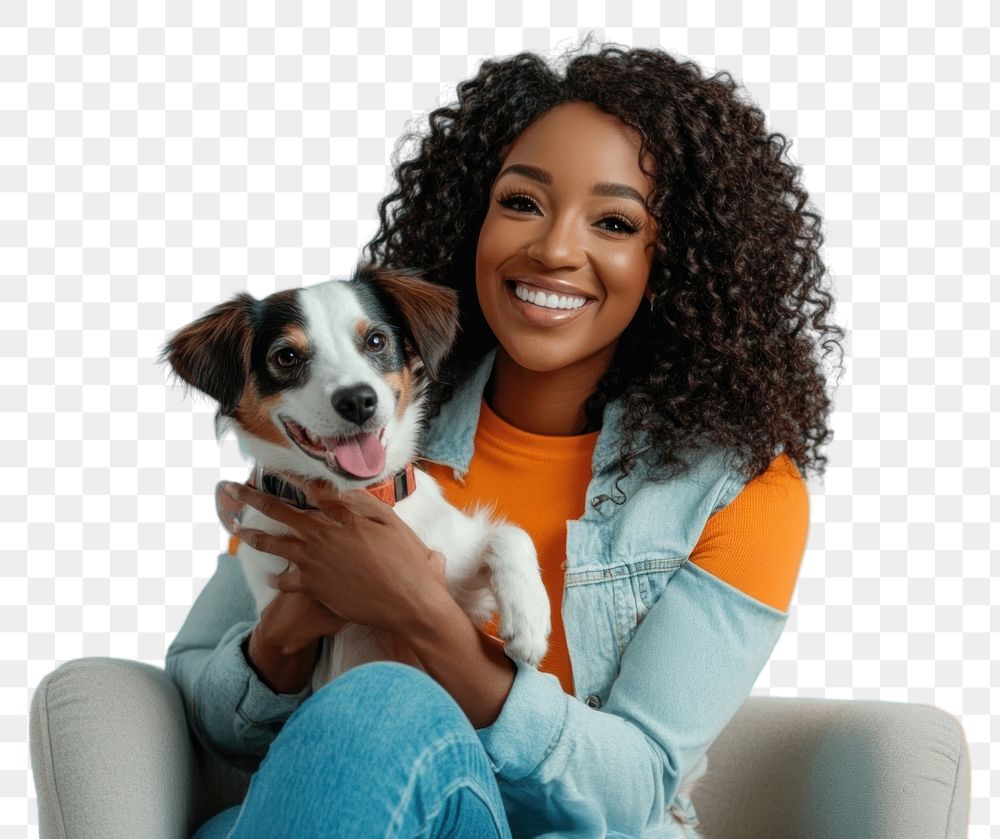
212 354
429 310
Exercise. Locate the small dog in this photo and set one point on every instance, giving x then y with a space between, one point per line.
329 382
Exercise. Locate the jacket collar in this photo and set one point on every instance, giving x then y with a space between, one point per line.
450 436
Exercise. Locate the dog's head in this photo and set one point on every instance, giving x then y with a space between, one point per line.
325 381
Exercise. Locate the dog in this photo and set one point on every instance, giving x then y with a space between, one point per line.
330 381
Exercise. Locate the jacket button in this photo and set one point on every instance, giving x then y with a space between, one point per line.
594 701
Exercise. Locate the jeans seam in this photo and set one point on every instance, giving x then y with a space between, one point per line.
476 790
437 746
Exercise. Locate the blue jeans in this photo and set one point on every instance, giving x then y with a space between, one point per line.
382 751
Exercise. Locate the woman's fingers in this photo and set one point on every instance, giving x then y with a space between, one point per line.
268 543
270 505
227 508
290 580
317 489
328 498
323 495
440 560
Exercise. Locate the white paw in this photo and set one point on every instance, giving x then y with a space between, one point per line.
525 623
527 647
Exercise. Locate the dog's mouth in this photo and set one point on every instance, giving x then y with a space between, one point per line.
360 457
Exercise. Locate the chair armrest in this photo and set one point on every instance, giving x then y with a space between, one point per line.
111 752
836 769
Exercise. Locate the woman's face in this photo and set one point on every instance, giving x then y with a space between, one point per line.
566 215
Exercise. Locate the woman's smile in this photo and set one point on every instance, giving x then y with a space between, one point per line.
546 308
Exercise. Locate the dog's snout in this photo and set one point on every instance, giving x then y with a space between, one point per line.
356 403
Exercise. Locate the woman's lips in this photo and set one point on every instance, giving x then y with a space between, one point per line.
542 316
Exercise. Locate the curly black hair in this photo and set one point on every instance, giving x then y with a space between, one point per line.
732 351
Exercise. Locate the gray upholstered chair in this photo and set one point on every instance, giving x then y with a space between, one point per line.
113 757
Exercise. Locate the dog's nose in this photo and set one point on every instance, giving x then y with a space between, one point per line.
355 403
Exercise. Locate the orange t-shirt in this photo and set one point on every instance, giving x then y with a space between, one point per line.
538 482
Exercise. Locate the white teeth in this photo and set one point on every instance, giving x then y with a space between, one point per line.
550 301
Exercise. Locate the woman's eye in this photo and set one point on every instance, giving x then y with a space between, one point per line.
518 203
377 341
617 224
286 357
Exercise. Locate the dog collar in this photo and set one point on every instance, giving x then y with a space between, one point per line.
391 490
396 488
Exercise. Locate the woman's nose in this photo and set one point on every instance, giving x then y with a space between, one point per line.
556 243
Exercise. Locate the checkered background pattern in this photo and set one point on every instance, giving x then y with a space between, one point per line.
157 158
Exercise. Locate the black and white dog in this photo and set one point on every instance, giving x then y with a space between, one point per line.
329 382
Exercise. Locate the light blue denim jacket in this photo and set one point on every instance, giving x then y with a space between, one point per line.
663 653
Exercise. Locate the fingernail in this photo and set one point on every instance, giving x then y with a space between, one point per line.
230 488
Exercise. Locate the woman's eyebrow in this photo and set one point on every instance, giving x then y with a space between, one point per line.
603 188
618 191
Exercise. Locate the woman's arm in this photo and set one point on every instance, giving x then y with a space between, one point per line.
230 709
468 663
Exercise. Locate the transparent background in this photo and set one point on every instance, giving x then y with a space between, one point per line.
156 158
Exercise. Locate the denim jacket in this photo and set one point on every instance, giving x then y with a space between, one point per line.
663 653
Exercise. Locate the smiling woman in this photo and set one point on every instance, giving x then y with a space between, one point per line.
642 321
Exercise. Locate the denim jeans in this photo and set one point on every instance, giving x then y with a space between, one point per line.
381 751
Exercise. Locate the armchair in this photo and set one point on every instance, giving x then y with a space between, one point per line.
113 758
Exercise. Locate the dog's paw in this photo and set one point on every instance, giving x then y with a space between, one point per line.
527 647
525 624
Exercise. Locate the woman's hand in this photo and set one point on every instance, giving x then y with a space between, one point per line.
285 643
293 622
353 554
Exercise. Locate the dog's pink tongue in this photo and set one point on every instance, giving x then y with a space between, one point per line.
362 456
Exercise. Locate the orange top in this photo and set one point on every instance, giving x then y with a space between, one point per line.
538 482
756 542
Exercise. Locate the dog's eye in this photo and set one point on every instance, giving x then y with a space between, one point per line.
286 357
377 341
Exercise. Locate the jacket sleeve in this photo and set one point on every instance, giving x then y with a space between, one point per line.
231 711
571 769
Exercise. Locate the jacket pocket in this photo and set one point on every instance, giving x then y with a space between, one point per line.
650 578
622 594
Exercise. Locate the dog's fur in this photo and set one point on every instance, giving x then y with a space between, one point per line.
343 382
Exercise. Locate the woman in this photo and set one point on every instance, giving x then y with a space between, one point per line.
650 442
